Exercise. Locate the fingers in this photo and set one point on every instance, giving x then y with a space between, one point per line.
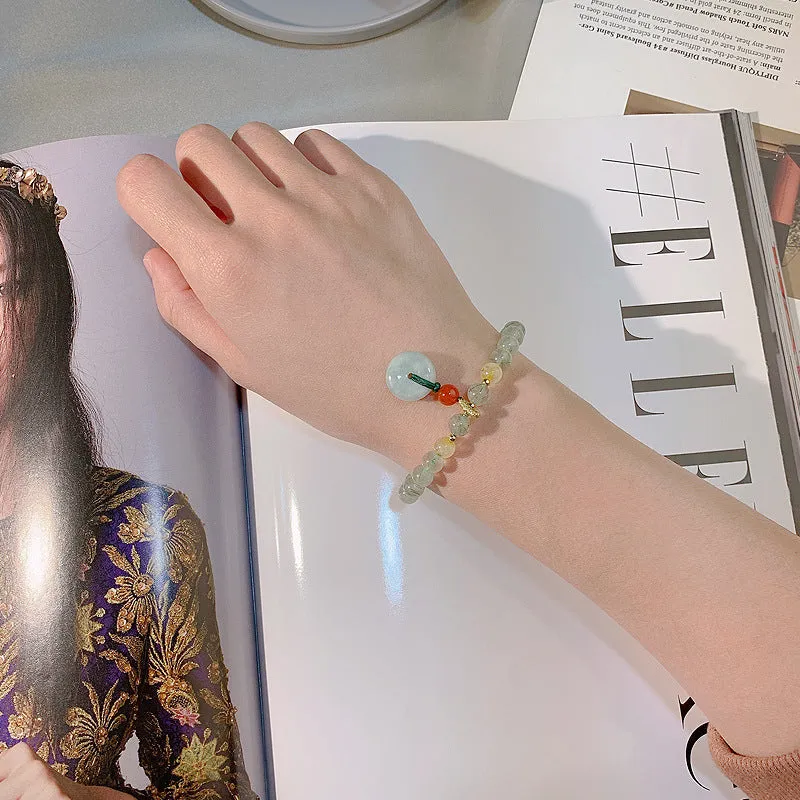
218 170
329 154
15 757
24 776
182 310
166 207
274 155
34 779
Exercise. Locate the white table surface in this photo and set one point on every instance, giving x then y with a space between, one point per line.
82 67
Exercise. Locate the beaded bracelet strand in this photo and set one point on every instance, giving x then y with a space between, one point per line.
412 376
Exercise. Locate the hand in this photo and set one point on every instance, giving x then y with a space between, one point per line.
311 275
23 776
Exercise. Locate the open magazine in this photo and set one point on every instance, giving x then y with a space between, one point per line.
346 645
592 57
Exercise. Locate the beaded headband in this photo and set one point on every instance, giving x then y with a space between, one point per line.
32 186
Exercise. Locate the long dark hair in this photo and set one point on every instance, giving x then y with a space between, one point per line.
50 444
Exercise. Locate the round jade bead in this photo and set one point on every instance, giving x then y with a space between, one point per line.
411 485
509 343
502 355
514 330
459 425
444 447
478 394
433 461
492 372
409 492
422 475
400 385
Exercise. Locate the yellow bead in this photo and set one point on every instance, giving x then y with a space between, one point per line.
491 372
444 447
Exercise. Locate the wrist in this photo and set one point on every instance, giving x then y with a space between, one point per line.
405 431
498 460
423 424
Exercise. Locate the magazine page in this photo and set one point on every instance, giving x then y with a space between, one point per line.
592 57
121 485
414 653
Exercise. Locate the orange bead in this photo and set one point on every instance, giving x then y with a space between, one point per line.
448 395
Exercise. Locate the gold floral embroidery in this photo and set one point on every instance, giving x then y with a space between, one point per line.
225 710
142 526
177 641
6 571
133 644
128 665
24 724
88 556
162 629
6 592
87 626
201 762
211 591
108 494
220 700
9 648
178 540
95 736
48 752
216 671
134 590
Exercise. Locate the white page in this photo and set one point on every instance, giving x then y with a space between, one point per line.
411 652
596 57
586 55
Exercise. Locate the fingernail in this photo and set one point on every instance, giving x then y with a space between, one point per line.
147 264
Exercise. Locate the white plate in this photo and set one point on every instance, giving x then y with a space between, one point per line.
322 21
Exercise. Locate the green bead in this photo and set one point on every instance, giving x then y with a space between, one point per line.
459 425
514 330
410 491
509 343
478 394
407 495
433 461
422 475
502 356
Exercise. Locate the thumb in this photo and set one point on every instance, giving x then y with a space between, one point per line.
182 310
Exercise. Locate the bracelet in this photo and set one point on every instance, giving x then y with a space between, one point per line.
412 376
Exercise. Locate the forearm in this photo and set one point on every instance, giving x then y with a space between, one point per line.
710 587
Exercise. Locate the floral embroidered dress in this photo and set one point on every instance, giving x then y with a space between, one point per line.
150 660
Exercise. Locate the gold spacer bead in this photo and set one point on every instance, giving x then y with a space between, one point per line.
452 437
487 381
468 408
